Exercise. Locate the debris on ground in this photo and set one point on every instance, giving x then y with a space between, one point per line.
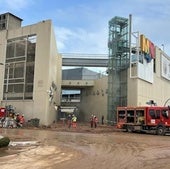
4 141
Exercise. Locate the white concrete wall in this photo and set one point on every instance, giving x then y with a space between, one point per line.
47 66
94 100
141 91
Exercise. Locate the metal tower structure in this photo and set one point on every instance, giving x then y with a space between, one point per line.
118 45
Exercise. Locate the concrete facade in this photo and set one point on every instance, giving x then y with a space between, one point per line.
9 21
79 74
47 73
94 100
141 91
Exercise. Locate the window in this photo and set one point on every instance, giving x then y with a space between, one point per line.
154 65
121 115
152 114
130 116
20 48
3 25
165 113
130 113
140 116
4 16
10 50
15 88
19 70
158 114
140 113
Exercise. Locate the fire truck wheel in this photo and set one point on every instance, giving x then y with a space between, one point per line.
161 130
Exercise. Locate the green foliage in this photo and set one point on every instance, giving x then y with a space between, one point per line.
4 142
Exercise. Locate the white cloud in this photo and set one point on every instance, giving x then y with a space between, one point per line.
15 4
155 29
84 27
79 40
62 37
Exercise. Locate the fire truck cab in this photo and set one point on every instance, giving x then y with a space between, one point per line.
144 119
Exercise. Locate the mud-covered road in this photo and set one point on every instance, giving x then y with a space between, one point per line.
84 149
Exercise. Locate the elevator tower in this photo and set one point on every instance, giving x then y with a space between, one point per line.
118 45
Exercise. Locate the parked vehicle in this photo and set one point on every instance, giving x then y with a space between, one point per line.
144 119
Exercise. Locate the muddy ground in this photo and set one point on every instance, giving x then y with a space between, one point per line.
83 148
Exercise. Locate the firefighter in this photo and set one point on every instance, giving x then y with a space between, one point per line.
74 121
69 119
91 121
95 120
102 119
22 120
17 120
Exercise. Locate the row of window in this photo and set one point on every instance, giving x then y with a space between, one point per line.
156 114
19 69
2 26
2 17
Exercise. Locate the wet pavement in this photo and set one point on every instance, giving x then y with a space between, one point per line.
83 148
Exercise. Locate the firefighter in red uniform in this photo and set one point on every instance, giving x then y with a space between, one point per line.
22 120
95 120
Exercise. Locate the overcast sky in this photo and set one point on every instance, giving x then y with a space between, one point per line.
82 25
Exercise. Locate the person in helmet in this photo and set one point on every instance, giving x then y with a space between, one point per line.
74 121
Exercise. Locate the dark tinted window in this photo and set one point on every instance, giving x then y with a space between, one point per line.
158 114
152 114
165 113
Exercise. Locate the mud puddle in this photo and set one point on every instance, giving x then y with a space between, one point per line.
16 147
61 150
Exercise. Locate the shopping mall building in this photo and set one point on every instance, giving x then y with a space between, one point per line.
31 72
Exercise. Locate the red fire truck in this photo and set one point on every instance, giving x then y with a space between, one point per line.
144 119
